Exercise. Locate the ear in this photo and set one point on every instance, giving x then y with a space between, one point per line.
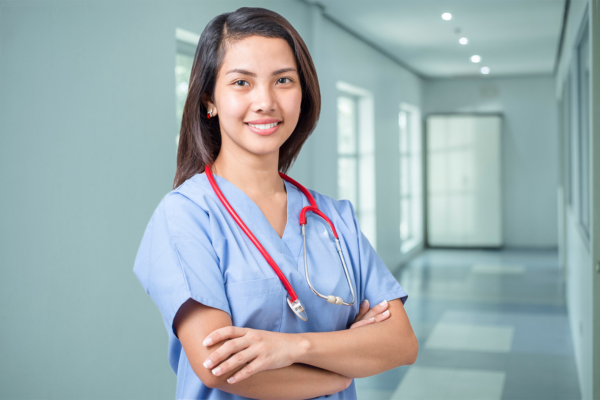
207 102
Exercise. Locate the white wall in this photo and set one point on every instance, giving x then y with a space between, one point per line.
582 282
87 150
529 146
341 56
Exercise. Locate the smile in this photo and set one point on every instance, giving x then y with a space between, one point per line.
264 129
264 126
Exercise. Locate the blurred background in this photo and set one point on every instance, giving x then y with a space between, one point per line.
463 132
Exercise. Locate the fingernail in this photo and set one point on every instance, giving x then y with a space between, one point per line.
216 371
383 303
207 341
386 312
208 363
364 303
371 319
230 380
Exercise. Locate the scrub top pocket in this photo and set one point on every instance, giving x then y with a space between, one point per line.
256 304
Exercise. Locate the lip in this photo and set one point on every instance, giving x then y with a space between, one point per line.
263 121
264 132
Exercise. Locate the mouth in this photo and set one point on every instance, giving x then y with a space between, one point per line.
263 129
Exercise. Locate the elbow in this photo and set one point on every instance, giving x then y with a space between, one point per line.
414 352
410 352
206 376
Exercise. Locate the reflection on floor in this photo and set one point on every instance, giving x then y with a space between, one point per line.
491 325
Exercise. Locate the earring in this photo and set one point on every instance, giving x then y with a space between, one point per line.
209 114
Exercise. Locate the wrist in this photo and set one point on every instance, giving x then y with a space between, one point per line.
302 348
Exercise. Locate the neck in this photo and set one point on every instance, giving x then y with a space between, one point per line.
258 177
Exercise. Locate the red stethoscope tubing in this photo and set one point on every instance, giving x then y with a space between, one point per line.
312 208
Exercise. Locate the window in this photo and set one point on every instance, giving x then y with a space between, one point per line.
411 214
356 154
583 81
568 121
186 43
347 148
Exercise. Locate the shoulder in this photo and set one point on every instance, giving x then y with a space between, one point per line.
184 205
340 210
189 196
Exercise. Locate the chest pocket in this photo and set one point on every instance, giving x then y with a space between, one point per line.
256 304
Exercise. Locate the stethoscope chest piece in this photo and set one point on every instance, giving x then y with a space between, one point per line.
297 308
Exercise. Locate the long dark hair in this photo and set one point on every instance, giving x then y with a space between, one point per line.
200 137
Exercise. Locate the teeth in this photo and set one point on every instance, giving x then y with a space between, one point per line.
264 126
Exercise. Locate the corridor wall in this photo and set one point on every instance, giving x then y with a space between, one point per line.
580 247
87 151
529 147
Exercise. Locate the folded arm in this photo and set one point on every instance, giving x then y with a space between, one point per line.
194 321
367 351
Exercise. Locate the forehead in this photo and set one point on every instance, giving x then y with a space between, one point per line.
258 54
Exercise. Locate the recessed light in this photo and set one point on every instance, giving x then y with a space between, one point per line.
463 40
485 70
475 58
447 16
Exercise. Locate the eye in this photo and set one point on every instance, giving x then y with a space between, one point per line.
235 83
284 78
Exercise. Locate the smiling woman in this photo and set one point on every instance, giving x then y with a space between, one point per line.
219 75
253 101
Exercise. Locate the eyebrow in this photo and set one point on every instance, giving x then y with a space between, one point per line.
252 74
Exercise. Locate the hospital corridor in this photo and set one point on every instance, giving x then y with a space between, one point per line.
454 146
491 325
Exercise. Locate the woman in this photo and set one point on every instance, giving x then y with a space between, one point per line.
253 101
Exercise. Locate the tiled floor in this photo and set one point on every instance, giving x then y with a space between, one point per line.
490 324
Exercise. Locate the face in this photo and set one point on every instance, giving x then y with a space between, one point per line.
257 96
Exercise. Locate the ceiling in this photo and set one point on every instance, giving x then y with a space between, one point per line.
513 37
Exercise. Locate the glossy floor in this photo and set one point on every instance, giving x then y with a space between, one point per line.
491 325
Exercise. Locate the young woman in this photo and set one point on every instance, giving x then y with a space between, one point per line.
260 295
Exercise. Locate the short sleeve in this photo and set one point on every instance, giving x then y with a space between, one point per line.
176 260
377 282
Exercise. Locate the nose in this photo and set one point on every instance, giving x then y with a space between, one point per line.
264 99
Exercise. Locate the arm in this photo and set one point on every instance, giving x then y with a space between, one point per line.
194 321
367 351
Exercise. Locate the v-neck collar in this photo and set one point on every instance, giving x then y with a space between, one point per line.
291 242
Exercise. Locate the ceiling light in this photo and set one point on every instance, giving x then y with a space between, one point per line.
463 40
485 70
447 16
475 58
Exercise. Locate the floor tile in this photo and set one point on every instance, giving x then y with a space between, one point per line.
425 383
453 336
497 269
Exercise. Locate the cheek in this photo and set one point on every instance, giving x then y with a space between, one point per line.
232 110
297 100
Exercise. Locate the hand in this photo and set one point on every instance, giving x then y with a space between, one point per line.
261 350
375 314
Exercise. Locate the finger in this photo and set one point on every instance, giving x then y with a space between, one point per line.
233 362
227 332
249 370
363 323
383 316
362 310
229 348
378 309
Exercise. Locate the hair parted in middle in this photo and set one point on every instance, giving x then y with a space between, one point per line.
200 137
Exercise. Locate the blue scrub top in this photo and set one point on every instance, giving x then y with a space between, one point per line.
193 248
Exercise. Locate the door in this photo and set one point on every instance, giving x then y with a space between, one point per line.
463 181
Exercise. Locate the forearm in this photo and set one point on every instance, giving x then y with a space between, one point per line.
297 381
364 351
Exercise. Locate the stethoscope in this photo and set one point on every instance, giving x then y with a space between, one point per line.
292 299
